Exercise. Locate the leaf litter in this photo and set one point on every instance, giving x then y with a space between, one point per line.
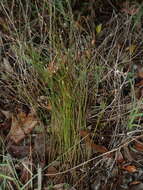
22 125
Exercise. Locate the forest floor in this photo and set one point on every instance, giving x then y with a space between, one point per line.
71 87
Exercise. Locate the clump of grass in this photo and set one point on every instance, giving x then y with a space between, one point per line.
80 79
51 70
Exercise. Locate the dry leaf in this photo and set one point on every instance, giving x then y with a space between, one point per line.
52 170
130 168
140 74
22 125
139 146
99 148
139 84
89 142
120 157
139 69
135 183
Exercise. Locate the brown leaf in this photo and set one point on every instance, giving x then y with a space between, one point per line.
140 74
22 125
99 148
52 170
120 157
130 168
138 146
139 84
89 142
135 182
